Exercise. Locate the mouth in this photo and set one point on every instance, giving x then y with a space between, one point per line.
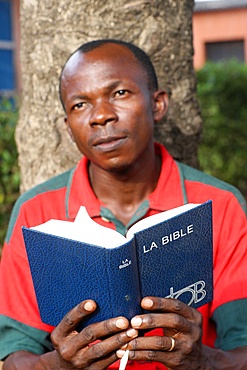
109 143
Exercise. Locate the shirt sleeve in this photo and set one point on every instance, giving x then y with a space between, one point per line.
20 325
16 336
231 321
230 252
230 275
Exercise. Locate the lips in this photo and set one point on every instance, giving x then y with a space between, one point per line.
109 143
106 140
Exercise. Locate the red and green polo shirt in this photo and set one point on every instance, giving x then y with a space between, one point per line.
224 320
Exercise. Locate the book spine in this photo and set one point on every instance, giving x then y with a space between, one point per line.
116 287
124 285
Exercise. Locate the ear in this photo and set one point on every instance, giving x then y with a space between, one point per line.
160 104
68 128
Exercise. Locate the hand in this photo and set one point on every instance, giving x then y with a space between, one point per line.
77 350
180 347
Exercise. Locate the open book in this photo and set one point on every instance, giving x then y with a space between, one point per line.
167 255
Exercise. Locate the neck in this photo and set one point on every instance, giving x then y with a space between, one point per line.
123 191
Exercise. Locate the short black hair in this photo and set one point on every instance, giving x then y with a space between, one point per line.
139 54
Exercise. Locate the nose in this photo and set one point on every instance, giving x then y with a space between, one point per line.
102 112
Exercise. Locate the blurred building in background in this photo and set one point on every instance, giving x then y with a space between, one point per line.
219 31
219 28
9 47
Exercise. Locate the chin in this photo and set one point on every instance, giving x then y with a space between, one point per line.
117 166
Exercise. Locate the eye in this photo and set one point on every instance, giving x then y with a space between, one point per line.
121 93
78 106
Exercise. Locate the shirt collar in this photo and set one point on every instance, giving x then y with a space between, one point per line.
79 192
168 193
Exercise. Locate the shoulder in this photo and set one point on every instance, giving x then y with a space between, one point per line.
35 203
216 185
55 183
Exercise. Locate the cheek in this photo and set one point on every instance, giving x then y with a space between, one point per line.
80 138
144 126
78 129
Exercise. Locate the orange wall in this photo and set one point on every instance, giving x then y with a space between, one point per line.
217 26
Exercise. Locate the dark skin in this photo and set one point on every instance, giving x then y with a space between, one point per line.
110 114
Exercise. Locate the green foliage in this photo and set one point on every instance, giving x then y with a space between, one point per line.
9 171
222 93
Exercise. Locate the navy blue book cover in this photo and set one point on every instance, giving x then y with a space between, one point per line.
171 259
175 258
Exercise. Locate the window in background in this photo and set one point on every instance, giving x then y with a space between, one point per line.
219 51
7 46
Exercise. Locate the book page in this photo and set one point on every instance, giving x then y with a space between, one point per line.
158 218
83 229
86 230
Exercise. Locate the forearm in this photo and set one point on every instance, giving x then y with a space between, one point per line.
218 360
23 360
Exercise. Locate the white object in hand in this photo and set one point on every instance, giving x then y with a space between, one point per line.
124 360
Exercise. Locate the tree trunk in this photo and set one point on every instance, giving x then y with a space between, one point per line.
52 29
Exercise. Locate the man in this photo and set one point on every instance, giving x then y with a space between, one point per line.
111 99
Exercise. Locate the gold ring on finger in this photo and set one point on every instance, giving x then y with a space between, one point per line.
172 345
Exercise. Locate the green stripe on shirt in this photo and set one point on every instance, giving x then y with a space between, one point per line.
16 336
231 319
192 174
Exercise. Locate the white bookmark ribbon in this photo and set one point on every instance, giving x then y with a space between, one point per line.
124 360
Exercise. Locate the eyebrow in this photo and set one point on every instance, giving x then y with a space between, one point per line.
114 85
78 97
108 88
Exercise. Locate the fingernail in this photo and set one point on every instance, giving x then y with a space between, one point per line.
132 333
147 302
121 324
88 306
136 321
120 353
125 346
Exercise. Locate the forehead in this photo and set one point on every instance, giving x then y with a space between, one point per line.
106 61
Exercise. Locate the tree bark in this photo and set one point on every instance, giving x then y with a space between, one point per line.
52 29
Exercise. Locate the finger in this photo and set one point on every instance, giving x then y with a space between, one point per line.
168 358
100 330
155 343
80 342
161 349
173 353
72 319
106 347
172 322
102 364
171 305
76 345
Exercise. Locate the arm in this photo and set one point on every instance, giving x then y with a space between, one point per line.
75 350
183 324
234 359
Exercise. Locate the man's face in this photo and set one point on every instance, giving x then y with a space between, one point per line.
109 107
